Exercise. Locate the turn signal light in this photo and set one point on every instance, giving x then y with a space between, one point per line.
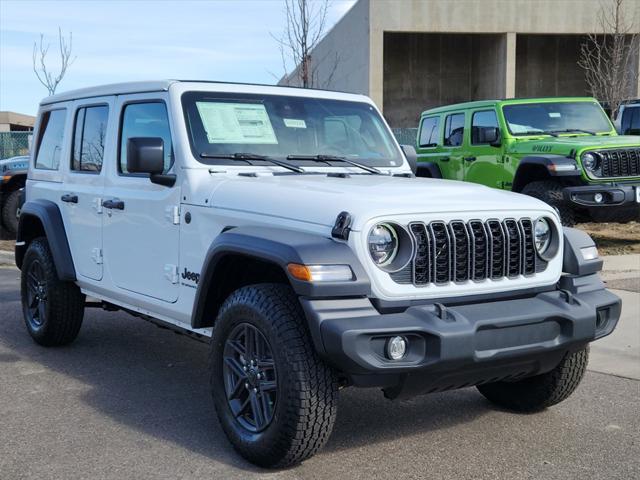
320 273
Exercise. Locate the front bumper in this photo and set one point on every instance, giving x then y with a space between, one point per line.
612 195
457 346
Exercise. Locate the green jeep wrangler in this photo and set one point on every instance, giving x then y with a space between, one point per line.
564 151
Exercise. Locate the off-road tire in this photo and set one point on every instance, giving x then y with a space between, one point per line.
307 389
551 192
64 305
537 393
9 212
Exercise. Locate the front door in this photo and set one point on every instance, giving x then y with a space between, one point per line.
141 219
483 162
80 199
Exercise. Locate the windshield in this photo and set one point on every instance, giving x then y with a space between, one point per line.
285 126
556 117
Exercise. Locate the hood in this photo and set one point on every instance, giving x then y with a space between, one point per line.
319 199
563 145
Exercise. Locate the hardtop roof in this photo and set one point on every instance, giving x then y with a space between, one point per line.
504 101
126 88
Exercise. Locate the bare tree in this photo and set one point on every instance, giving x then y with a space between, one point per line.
44 74
306 25
607 57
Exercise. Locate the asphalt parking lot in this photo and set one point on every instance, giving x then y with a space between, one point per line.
130 400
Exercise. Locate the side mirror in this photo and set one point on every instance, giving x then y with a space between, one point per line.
492 136
411 156
146 155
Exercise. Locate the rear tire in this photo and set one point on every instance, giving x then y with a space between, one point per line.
298 393
10 212
551 192
52 309
537 393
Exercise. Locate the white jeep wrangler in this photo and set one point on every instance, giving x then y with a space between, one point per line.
286 224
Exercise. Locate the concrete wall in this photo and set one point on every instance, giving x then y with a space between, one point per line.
341 59
502 49
425 70
480 16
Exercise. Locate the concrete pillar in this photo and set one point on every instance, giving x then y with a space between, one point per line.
510 65
376 66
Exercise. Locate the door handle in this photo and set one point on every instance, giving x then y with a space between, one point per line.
113 204
69 198
470 159
445 159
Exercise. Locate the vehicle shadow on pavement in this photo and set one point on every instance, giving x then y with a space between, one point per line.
155 382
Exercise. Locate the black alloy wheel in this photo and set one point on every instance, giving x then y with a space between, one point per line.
250 377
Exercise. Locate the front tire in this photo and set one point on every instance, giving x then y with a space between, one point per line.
52 309
276 400
551 192
534 394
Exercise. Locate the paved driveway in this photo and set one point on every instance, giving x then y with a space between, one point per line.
130 400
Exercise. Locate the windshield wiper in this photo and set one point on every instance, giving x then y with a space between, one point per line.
247 157
334 158
572 130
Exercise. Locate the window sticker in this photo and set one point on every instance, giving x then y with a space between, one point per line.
554 114
294 123
236 123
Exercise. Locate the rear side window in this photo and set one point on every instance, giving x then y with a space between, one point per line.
89 138
481 124
145 120
454 130
429 132
50 139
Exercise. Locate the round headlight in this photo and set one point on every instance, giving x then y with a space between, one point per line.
383 244
542 235
589 161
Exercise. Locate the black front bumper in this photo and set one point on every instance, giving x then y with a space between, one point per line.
457 346
612 195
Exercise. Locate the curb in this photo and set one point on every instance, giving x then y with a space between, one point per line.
7 258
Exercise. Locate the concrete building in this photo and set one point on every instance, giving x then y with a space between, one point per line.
409 55
16 122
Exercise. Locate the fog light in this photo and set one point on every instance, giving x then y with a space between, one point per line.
598 197
396 348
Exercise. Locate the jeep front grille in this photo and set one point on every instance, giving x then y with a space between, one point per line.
619 162
470 251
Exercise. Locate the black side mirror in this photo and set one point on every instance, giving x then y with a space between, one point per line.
146 155
411 156
492 136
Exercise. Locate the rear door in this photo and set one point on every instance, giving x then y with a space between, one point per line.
452 151
483 163
83 186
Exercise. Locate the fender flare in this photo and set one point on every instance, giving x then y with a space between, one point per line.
553 165
280 247
428 170
48 214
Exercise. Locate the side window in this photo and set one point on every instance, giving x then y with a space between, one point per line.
50 140
454 130
145 120
89 138
630 124
483 123
429 132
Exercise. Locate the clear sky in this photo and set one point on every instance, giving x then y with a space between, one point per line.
117 40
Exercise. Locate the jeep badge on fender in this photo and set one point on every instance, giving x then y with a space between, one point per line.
318 261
